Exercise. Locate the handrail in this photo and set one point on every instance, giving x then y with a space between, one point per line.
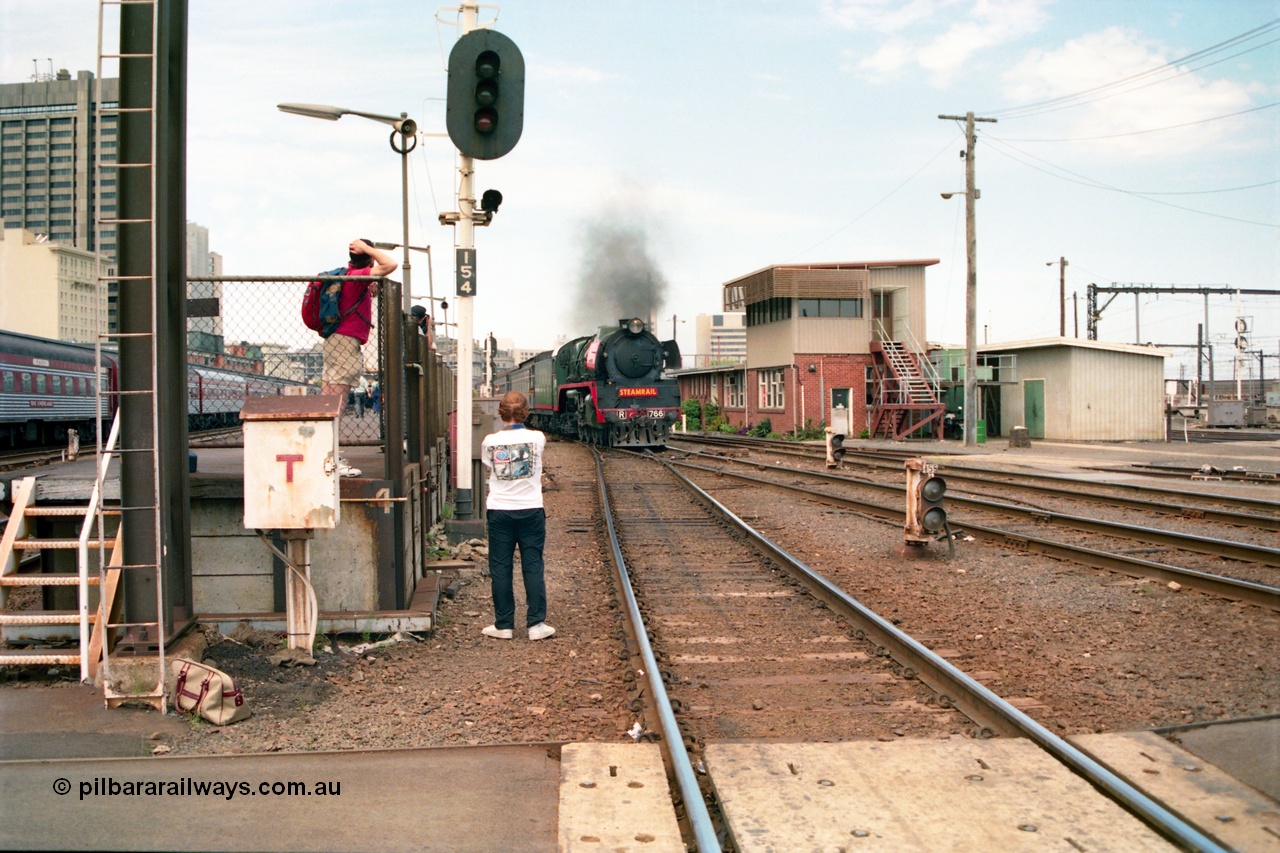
90 516
927 370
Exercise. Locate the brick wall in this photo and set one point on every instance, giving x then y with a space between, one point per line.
810 399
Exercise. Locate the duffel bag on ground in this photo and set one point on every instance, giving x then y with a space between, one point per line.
209 692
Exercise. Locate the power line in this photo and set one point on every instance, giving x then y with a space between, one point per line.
882 200
1106 90
1090 182
1140 132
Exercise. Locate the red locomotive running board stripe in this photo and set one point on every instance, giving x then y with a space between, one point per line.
637 392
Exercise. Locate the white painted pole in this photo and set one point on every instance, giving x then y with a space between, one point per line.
466 313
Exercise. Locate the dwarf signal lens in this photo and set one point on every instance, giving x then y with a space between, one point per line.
933 489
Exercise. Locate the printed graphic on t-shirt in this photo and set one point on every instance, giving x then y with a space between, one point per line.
514 461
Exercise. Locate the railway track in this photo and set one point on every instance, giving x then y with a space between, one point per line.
1089 541
696 584
1261 511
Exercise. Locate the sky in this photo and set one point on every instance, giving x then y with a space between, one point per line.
704 140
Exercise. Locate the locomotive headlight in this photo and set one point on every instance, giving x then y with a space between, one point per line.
635 325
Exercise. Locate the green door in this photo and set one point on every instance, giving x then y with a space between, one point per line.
1033 407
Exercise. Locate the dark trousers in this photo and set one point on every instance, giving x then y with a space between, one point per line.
528 529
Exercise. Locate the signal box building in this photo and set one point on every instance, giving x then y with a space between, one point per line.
1072 389
835 343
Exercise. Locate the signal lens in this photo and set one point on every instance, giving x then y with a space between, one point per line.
934 520
486 93
487 65
486 120
933 489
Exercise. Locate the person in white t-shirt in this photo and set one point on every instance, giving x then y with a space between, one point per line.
515 516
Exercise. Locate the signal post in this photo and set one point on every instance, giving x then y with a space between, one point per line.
926 519
484 117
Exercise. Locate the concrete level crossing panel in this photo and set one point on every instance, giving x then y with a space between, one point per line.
614 797
1239 816
914 795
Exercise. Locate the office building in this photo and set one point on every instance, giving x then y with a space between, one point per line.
48 159
48 289
720 339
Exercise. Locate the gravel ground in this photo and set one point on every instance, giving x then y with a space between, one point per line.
1080 650
454 686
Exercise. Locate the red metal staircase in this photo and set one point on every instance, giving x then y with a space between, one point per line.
905 400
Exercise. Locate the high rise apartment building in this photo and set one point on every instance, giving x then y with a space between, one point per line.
48 157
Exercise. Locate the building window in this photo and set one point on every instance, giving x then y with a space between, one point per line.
768 311
871 385
773 386
734 393
848 308
717 320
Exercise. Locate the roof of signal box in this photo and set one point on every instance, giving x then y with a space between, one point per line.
840 280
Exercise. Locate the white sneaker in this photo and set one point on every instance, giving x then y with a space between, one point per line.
541 631
498 633
345 469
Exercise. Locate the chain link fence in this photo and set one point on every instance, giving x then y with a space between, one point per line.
246 337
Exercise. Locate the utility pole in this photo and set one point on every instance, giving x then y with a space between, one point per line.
1062 296
971 283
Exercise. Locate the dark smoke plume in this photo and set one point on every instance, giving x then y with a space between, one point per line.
618 278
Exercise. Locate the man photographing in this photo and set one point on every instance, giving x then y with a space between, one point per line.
343 362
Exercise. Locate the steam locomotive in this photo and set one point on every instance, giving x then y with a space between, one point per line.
605 389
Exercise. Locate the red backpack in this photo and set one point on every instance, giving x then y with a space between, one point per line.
320 311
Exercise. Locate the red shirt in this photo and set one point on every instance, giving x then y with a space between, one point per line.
357 323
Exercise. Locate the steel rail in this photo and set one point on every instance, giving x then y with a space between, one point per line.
1243 551
909 652
1232 588
672 743
999 476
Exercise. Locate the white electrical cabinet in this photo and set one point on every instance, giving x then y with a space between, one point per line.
291 477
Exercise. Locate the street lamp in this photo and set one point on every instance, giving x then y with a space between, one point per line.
1062 294
971 404
405 130
395 396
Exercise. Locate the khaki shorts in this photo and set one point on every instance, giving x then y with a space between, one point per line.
343 363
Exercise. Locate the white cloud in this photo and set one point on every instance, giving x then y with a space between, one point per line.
1150 101
939 36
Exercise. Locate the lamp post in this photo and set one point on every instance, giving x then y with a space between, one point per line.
1062 294
395 392
405 130
970 320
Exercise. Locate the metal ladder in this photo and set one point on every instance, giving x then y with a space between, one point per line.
21 547
145 680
